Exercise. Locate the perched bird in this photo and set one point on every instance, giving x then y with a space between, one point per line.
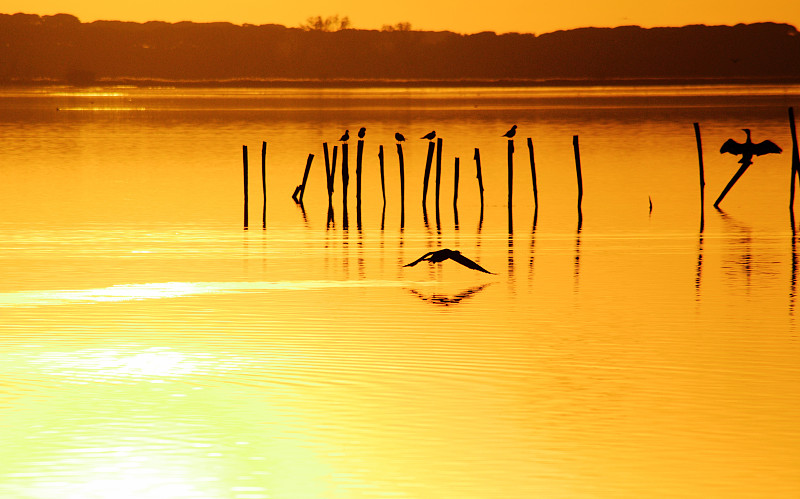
511 132
749 149
399 137
346 136
444 254
429 136
361 132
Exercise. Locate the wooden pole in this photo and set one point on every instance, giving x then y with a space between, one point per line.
244 165
427 176
533 174
359 156
700 163
333 167
577 150
383 182
438 171
479 174
305 177
510 172
402 184
795 157
455 185
345 183
733 180
328 177
455 192
702 175
264 183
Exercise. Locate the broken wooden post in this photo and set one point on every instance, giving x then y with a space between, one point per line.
455 191
510 172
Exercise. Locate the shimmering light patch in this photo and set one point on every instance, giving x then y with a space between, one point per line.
126 292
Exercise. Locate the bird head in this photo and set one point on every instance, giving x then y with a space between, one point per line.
747 131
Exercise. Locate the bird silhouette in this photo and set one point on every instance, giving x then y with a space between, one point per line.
399 137
361 132
346 136
445 254
429 136
511 132
749 149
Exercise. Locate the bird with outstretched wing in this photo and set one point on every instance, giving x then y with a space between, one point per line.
445 254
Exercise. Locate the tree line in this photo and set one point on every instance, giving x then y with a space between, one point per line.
61 48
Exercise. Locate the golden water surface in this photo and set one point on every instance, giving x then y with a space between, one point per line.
152 348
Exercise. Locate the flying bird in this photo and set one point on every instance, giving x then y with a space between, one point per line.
749 149
511 132
444 254
361 132
399 137
429 136
346 136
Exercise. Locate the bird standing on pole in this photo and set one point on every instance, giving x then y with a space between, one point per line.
345 137
511 132
362 132
430 135
749 149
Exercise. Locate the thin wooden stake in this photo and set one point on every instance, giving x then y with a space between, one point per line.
479 174
383 183
426 178
438 171
455 185
305 177
345 183
244 165
795 157
733 180
510 172
402 184
359 156
702 175
328 177
533 174
264 183
576 147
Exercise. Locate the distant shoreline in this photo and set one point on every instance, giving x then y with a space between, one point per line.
388 83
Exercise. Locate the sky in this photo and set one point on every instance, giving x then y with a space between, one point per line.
462 16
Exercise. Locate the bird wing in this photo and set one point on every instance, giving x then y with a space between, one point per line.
458 257
423 257
731 146
766 147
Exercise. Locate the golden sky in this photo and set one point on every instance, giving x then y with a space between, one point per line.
462 16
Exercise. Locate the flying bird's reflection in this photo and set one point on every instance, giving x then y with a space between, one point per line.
448 254
446 300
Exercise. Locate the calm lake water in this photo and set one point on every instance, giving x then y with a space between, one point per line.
152 348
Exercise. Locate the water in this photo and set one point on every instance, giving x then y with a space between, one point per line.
153 348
